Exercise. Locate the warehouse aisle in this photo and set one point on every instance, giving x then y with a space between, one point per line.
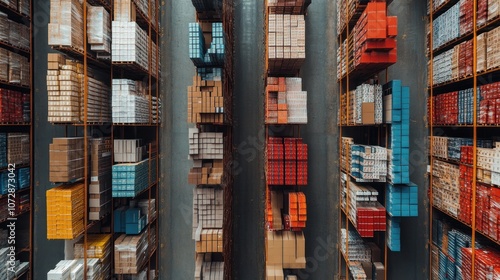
177 247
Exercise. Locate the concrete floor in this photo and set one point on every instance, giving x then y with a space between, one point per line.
318 72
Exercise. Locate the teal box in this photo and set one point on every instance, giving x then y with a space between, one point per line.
119 220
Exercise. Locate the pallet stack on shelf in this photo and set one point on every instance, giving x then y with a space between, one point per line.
286 153
102 85
210 140
374 120
462 96
16 135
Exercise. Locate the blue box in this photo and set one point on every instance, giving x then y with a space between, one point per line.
119 219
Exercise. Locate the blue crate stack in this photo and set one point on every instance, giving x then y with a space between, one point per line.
129 179
196 43
394 234
4 183
23 177
200 56
443 265
399 168
3 150
210 74
402 200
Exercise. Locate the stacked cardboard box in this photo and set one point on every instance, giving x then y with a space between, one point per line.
286 43
205 101
148 208
208 209
18 148
394 234
65 211
492 52
342 59
99 250
130 253
66 157
66 24
129 102
15 68
365 212
354 248
402 200
211 241
129 44
99 29
374 37
100 178
206 44
493 9
274 207
286 102
287 6
285 249
367 101
205 145
128 179
399 160
368 163
207 267
489 106
208 173
465 211
287 161
446 187
446 27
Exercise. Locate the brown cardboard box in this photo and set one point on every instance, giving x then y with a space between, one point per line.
378 271
368 113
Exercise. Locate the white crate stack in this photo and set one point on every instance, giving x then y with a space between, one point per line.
205 268
99 29
446 187
365 196
129 102
129 43
73 269
205 145
208 210
296 100
358 251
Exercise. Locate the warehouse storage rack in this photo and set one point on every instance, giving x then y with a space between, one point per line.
349 77
22 213
280 69
467 121
207 13
105 70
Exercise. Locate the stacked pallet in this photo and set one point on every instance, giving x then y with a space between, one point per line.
465 211
486 261
402 200
489 105
130 253
287 162
211 241
206 44
99 30
130 103
129 150
205 145
99 250
66 156
207 267
286 102
100 178
286 43
368 163
65 211
129 179
399 115
66 24
14 68
18 148
374 37
285 250
446 187
208 173
208 209
287 6
365 212
14 106
205 101
14 33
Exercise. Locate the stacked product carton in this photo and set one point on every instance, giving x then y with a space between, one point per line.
130 253
286 102
66 24
65 211
205 101
100 178
286 43
66 157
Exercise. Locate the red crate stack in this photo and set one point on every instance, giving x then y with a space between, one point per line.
465 211
466 16
287 162
486 261
466 155
489 106
446 108
482 207
482 12
11 105
494 214
374 37
369 220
